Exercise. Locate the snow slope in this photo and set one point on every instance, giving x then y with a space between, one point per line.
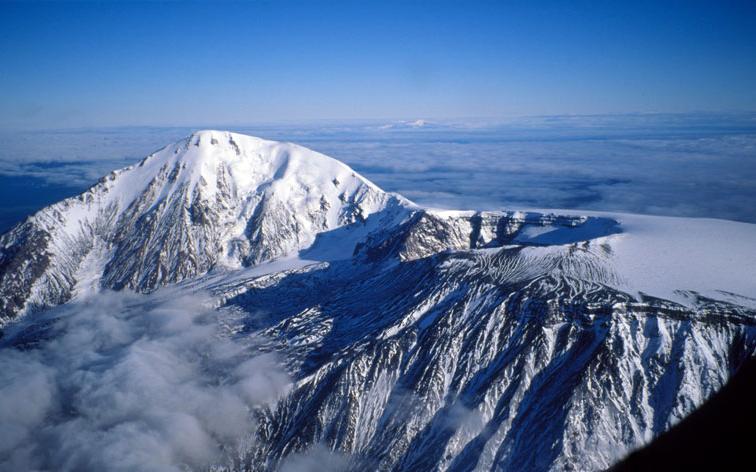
660 256
416 338
223 201
667 256
213 201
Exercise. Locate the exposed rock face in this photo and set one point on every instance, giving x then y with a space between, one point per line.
518 358
418 339
214 200
24 262
426 233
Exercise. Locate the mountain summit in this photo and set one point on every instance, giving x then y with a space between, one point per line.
416 338
218 201
215 199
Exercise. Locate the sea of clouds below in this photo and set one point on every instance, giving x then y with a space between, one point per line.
122 381
701 165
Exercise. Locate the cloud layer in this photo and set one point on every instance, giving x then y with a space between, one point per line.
130 382
698 165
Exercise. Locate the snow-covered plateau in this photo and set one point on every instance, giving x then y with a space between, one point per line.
414 338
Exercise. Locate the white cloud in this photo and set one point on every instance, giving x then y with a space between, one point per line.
683 165
318 458
131 382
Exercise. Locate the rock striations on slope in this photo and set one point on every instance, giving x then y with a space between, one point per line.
418 339
213 200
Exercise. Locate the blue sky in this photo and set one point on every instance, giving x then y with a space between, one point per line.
191 63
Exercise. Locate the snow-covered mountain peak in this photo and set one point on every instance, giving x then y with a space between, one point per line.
219 200
209 156
417 338
215 199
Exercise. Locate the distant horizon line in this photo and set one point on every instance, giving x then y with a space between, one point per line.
479 121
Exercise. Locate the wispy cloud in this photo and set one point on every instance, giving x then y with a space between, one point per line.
130 382
318 458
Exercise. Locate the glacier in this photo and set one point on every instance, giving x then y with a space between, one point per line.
416 338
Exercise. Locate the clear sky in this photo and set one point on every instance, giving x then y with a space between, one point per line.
192 63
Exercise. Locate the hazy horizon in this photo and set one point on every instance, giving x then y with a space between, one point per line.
699 165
